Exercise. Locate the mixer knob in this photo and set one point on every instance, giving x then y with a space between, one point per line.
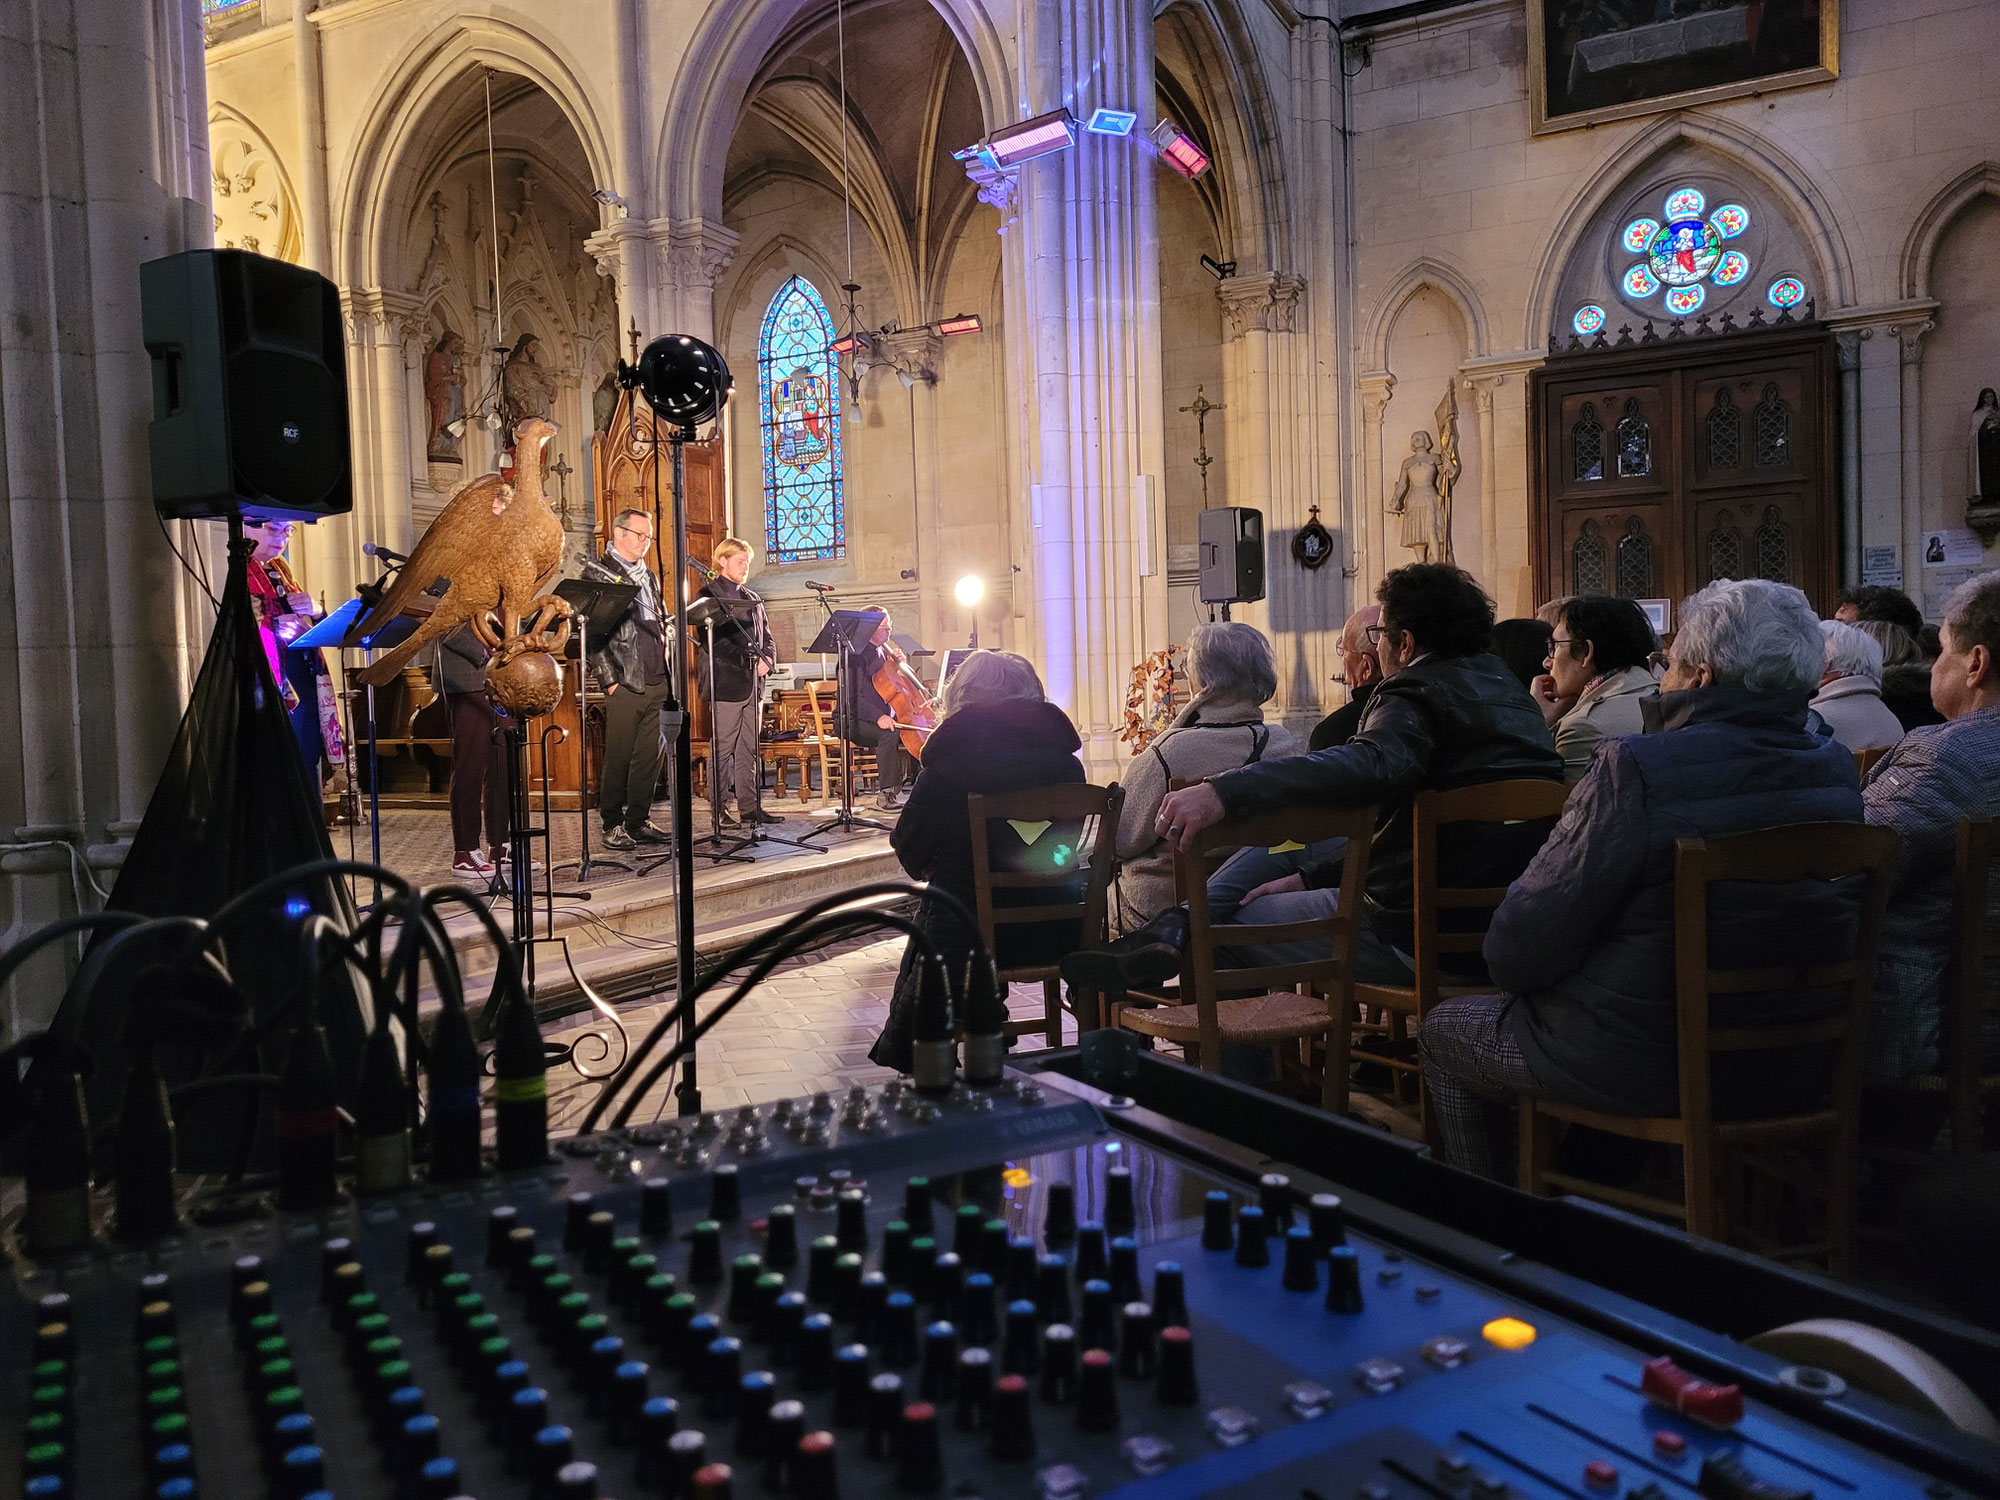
940 1361
973 1406
437 1264
669 1327
630 1271
703 1329
966 1221
1058 1363
600 1366
743 1274
687 1456
599 1230
1120 1212
1301 1263
658 1419
885 1414
500 1222
1052 1289
781 1236
527 1414
917 1205
333 1254
820 1256
756 1393
1093 1262
689 1154
815 1475
576 1481
1022 1268
1013 1420
1124 1277
1176 1385
1274 1196
975 1309
656 1210
1020 1347
725 1193
873 1298
1097 1393
1251 1248
705 1127
1138 1355
896 1237
422 1441
946 1279
1328 1220
847 1279
1059 1220
850 1385
627 1399
577 1210
720 1377
1216 1231
1343 1280
1095 1327
784 1428
705 1253
851 1221
814 1353
439 1480
991 1256
919 1450
779 1321
896 1330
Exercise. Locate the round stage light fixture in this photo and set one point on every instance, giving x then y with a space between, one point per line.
969 590
685 381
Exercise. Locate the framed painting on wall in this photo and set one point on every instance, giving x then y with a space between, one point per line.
1595 60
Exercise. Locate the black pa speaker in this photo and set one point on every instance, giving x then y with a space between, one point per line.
1232 554
249 387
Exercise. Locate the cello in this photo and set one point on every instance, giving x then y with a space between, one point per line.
911 708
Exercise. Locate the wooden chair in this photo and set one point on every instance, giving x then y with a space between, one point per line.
791 714
1494 802
1075 803
1970 994
1773 856
1275 1004
1864 760
836 756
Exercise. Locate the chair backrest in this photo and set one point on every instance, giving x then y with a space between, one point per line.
1864 760
1340 930
820 710
1786 855
1525 801
1974 991
1096 808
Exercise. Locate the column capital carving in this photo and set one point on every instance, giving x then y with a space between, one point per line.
375 315
1910 336
1376 389
1267 301
693 252
912 352
1482 388
1848 345
613 246
998 189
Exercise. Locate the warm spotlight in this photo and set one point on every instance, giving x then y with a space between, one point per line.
969 590
1178 150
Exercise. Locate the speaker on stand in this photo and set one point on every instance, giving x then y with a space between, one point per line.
1231 552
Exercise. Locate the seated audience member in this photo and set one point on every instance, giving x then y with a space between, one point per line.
1524 646
1447 714
1583 945
999 733
1360 670
1874 601
1849 699
1234 674
1548 613
1906 673
1597 676
1934 776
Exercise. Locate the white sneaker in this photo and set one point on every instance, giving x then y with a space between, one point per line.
471 862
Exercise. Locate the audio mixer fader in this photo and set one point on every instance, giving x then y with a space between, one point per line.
998 1293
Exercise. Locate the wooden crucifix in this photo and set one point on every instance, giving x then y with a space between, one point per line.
1201 406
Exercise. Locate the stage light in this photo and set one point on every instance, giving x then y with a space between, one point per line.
1111 122
1055 131
1179 151
608 198
856 342
685 381
963 323
969 590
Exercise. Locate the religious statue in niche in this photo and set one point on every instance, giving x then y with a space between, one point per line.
444 394
604 403
1423 488
1982 507
526 389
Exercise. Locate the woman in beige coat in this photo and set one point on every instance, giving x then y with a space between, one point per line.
1597 676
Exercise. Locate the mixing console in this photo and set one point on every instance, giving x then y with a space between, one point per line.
991 1293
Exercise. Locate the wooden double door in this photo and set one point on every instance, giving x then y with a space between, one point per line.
1662 467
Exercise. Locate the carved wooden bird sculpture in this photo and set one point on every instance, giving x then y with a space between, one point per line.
498 544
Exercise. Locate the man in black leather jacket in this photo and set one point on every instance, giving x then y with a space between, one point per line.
1447 714
631 665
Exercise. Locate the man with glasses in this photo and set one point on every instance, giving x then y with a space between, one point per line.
1360 671
630 663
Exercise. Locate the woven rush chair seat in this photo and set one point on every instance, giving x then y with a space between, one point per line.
1255 1020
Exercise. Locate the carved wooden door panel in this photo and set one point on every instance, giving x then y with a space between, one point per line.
1753 442
1612 465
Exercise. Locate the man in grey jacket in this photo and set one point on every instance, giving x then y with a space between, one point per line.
1583 945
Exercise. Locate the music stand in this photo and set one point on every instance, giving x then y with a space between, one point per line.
598 609
706 613
842 634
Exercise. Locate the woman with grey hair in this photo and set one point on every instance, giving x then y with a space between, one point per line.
1233 673
1850 691
999 734
1906 673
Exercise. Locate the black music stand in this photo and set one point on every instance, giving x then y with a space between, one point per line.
841 636
709 614
599 607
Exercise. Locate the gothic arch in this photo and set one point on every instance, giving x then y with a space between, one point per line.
1444 279
1913 280
771 255
729 45
1248 141
503 40
1777 173
290 240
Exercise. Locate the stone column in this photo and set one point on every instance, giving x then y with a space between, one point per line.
1909 337
1088 329
106 166
692 254
1481 388
623 252
1371 544
1849 346
312 136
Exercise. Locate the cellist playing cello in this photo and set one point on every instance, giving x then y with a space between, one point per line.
870 724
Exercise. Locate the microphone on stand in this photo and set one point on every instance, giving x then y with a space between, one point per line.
819 588
376 549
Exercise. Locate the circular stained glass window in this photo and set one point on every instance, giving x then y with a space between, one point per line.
1589 318
1786 291
1730 220
1684 299
1685 203
1639 234
1732 268
1640 282
1684 252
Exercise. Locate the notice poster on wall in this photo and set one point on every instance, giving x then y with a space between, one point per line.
1880 568
1954 547
1939 585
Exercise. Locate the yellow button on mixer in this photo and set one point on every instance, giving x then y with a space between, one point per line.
1509 1333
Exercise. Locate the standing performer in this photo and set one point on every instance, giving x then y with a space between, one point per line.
742 658
284 612
870 726
478 772
631 664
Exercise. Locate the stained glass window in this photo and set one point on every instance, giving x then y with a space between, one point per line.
1639 234
798 386
1589 318
1730 220
1682 300
1586 444
1732 268
1635 442
223 7
1681 252
1635 562
1586 561
1787 291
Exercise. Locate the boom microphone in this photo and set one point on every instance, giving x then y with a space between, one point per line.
819 588
376 549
